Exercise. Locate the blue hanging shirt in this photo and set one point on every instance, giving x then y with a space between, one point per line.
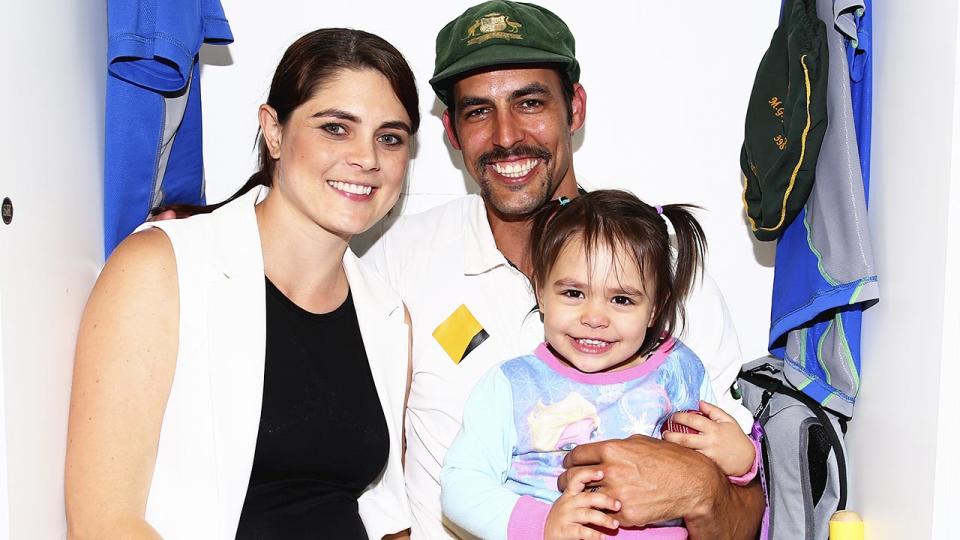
154 152
859 51
825 275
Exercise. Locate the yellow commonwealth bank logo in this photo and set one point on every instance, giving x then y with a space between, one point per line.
459 334
493 26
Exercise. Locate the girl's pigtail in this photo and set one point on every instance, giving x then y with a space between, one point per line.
691 251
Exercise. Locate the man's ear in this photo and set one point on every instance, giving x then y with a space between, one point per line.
578 107
271 129
450 129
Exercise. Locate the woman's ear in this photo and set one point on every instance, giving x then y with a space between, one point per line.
271 128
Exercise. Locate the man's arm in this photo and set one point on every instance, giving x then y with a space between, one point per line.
656 481
734 514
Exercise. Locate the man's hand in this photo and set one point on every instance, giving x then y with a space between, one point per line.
656 480
720 439
576 508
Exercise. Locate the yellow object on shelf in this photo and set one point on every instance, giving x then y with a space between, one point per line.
846 525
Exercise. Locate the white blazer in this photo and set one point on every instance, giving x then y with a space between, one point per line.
210 425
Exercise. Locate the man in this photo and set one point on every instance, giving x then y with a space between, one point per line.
508 75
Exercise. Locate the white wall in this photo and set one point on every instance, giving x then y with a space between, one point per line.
667 91
947 477
903 442
52 151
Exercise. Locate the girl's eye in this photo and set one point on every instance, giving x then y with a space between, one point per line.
622 300
334 129
390 139
572 293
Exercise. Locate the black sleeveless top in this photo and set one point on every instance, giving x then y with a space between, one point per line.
323 437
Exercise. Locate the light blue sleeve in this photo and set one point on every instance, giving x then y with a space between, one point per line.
706 390
693 367
473 494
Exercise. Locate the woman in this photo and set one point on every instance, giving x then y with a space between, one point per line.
239 373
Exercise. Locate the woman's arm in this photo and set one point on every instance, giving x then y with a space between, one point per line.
125 359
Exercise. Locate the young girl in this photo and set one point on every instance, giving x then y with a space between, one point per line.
611 296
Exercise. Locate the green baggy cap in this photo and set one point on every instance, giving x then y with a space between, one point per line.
786 121
501 33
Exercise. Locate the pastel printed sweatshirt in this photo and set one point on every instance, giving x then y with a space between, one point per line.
499 477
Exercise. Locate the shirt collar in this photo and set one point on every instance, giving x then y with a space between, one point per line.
480 254
485 256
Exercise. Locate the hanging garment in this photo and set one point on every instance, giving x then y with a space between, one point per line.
825 273
153 137
786 120
858 27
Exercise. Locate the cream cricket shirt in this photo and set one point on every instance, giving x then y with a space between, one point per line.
470 310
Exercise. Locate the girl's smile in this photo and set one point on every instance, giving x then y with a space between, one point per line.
596 313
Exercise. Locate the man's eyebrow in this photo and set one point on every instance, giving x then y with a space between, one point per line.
469 101
532 88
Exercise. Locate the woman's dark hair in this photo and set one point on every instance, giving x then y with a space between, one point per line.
306 66
625 224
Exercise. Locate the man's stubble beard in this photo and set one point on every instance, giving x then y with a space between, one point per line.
534 201
530 203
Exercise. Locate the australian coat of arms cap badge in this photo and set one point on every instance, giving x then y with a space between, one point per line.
493 26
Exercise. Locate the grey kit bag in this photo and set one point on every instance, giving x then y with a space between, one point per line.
803 453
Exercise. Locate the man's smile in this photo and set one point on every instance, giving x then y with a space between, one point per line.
515 169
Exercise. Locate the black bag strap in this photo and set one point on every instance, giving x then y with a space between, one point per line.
772 385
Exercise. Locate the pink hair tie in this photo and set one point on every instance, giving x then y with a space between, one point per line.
659 209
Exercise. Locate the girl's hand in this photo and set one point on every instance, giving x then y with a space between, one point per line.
720 439
571 514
